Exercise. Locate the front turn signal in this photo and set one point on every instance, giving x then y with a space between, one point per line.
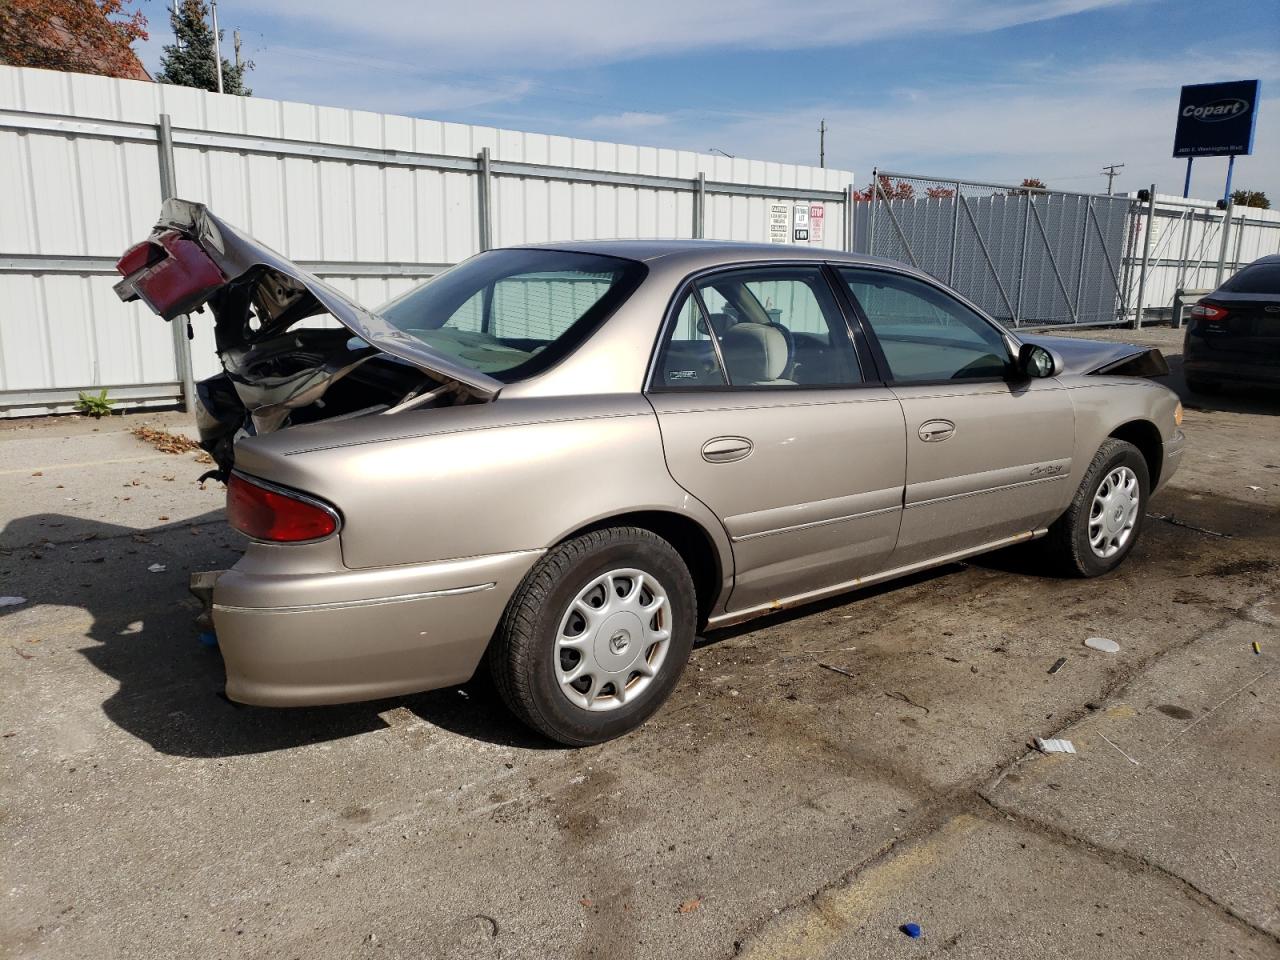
1177 414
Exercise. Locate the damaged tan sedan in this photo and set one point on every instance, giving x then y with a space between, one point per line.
565 461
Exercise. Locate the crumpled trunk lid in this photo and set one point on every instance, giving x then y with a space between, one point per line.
194 257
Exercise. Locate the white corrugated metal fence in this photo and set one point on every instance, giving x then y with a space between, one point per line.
372 202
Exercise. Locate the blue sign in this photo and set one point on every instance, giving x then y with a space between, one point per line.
1216 119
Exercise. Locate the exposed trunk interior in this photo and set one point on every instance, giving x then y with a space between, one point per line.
280 371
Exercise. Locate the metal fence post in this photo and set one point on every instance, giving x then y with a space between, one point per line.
955 235
1222 253
1146 259
485 205
1022 259
1084 246
178 325
700 207
1185 256
871 223
849 208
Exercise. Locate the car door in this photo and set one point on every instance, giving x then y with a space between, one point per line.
988 454
768 419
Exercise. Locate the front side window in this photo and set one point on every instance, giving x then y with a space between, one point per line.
925 334
759 327
513 313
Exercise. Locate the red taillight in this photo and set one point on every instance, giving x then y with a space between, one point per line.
172 274
138 256
272 514
1208 312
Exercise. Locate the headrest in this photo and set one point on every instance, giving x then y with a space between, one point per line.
755 352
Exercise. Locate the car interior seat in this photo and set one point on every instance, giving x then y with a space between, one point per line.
756 353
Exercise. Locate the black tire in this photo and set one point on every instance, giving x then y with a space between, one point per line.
522 655
1067 545
1207 387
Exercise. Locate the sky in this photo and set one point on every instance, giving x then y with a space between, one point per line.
993 90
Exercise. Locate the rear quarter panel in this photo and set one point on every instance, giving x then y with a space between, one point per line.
467 481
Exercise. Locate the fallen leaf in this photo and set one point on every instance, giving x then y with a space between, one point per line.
164 441
689 905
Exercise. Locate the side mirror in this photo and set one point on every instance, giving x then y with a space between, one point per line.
1037 362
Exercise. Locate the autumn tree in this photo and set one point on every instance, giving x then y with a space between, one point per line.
80 36
1250 198
189 60
888 190
1029 185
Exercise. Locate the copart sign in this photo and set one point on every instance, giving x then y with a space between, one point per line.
1216 119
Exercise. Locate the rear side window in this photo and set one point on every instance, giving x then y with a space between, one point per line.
1255 278
759 327
513 313
926 335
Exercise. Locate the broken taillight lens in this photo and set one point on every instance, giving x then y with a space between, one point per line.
273 514
171 274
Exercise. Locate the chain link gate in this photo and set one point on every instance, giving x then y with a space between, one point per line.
1029 257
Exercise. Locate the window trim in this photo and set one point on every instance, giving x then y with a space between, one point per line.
871 373
882 361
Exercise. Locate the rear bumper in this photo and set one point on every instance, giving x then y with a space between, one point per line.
1258 371
1173 450
303 638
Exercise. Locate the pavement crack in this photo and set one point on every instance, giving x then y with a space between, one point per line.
1133 861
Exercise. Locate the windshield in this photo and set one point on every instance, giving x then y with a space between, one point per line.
514 313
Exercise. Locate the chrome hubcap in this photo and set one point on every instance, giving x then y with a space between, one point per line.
1114 512
613 639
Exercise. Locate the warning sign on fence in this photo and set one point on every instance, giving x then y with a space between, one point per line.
800 222
778 223
817 218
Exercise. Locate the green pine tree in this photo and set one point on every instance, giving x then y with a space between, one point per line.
188 61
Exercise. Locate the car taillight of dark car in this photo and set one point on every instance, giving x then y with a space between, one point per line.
1208 315
275 515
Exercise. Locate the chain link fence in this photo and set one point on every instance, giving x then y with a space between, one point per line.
1029 257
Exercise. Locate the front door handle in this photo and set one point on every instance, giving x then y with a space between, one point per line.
931 431
726 449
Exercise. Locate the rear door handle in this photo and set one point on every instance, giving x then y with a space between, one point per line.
931 431
726 449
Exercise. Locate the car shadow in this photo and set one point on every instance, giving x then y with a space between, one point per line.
170 686
1230 399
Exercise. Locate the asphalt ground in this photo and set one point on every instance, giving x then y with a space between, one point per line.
774 808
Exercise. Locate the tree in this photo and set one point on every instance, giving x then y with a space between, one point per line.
1250 198
80 36
1029 185
901 190
189 60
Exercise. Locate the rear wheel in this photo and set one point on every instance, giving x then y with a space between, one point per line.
1106 515
596 636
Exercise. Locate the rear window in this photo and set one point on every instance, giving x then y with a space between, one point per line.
514 313
1255 278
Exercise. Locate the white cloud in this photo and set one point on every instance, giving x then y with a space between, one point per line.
1058 124
536 36
629 120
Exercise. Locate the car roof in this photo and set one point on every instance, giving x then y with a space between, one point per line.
709 253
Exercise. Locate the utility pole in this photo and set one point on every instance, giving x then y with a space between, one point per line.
1109 171
217 47
236 36
822 143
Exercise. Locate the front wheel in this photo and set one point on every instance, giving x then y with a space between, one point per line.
1106 515
596 636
